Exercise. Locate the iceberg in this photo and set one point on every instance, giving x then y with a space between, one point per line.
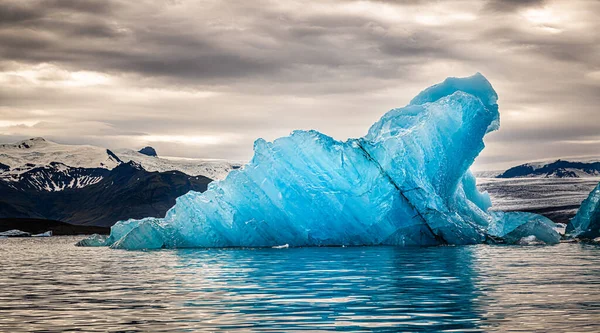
586 223
406 182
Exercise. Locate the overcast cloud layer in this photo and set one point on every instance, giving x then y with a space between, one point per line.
206 78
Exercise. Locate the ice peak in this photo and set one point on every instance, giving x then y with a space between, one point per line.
476 85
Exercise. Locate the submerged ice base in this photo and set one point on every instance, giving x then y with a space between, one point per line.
405 183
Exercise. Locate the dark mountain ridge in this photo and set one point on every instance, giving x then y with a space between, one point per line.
55 177
556 169
127 191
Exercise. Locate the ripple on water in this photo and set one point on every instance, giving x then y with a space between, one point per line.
50 285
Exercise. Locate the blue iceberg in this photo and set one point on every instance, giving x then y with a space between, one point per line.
586 223
407 183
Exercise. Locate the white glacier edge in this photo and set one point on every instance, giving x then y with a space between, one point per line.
405 183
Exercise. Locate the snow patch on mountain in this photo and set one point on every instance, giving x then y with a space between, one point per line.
28 154
213 169
44 165
54 177
561 168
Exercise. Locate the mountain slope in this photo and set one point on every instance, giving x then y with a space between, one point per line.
127 191
89 185
55 177
27 154
555 169
212 169
38 164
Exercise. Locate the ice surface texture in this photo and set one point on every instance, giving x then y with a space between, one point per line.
405 183
586 223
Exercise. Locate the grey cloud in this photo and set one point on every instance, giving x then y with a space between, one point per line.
418 45
512 5
12 14
87 29
89 6
30 12
547 134
200 56
273 68
573 48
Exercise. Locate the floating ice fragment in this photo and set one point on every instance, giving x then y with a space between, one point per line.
514 226
93 241
43 234
144 236
14 233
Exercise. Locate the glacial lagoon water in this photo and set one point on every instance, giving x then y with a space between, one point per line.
49 285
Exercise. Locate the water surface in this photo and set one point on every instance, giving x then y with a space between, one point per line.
49 285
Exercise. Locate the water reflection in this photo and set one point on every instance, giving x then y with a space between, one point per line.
49 285
335 288
539 289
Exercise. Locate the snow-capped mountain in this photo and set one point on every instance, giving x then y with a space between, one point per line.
38 164
83 184
36 152
216 170
55 177
571 168
127 191
48 166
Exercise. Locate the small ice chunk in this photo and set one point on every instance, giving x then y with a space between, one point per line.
93 241
514 226
43 234
15 233
285 246
145 236
117 231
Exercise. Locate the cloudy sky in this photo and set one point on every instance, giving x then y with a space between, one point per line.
205 78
